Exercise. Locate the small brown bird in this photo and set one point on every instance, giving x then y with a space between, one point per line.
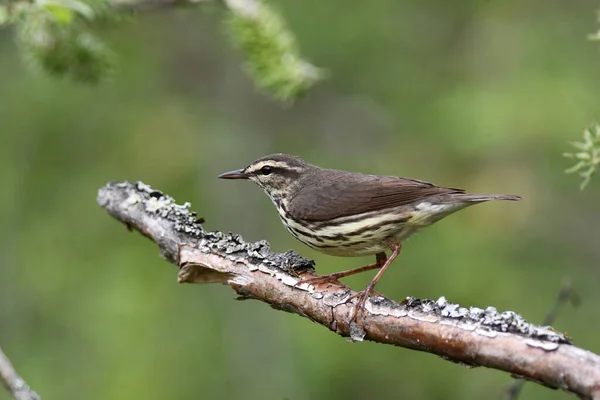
350 214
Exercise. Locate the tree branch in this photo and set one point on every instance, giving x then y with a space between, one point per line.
566 294
13 382
147 5
473 336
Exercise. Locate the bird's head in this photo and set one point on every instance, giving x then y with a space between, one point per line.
277 174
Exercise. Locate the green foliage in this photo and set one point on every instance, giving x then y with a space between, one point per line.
588 156
12 12
273 57
54 37
422 89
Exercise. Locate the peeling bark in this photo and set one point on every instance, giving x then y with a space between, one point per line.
471 336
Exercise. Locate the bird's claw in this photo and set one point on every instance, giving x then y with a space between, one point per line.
331 278
362 296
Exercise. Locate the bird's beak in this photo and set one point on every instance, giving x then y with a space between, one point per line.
237 174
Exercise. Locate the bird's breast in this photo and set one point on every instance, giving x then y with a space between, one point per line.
357 235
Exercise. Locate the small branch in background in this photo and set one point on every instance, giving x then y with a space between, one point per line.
13 382
55 36
596 35
273 58
588 157
566 295
470 336
149 5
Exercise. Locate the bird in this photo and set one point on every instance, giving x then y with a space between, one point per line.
350 214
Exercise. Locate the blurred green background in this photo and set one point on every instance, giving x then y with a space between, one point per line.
475 94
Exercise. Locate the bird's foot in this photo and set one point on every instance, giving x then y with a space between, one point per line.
331 278
335 277
362 297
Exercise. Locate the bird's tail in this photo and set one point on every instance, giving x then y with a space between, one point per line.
479 198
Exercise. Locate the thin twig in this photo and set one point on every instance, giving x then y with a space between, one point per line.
13 382
147 5
473 336
567 294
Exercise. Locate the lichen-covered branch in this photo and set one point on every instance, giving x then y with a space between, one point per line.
13 382
471 336
567 294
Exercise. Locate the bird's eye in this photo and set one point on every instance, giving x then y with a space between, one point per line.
266 170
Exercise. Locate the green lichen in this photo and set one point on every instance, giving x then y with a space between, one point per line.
273 58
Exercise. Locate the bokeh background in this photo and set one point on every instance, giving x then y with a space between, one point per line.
475 94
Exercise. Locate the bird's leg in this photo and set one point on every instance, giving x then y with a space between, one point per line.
334 278
364 294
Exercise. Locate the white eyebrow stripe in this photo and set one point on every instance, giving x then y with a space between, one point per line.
274 164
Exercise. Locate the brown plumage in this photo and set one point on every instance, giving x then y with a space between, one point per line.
351 214
337 194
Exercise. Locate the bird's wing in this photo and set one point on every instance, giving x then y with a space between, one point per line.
342 194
